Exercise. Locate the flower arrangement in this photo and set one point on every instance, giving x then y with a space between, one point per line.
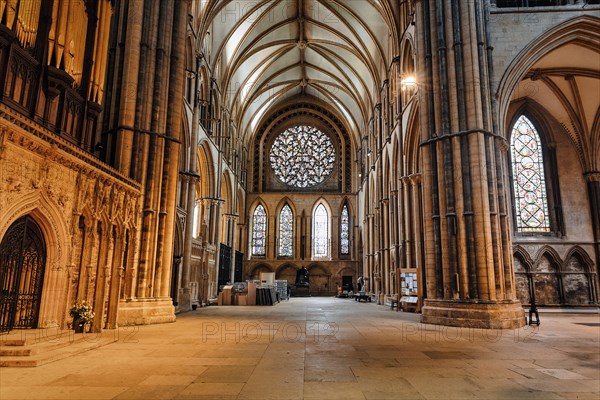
82 313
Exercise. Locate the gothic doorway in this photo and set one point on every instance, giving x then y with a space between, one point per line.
22 264
347 282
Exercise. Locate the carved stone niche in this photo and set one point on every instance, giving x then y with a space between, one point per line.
6 38
20 73
58 81
71 113
87 141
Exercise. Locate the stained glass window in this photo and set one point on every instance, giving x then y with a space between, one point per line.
345 231
320 232
531 203
302 156
259 231
286 231
195 228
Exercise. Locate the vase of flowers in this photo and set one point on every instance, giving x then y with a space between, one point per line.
82 315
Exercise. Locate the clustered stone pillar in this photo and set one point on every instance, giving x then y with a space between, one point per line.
593 183
143 130
190 181
386 245
370 256
469 266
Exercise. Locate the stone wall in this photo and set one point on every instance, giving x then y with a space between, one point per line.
557 267
326 272
87 213
512 31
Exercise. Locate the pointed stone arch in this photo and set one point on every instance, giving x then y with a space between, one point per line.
57 235
320 280
547 280
206 170
287 272
551 255
582 30
523 268
251 227
525 260
317 235
254 273
579 280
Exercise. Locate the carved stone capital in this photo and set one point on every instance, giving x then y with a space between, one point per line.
415 179
592 176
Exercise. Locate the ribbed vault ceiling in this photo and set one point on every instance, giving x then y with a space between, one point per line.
566 83
264 52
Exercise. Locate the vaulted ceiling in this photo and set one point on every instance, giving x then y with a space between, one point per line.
265 52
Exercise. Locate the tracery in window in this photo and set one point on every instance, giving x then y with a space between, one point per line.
345 231
531 203
302 156
320 232
259 231
286 231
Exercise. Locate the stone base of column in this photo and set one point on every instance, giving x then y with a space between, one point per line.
485 315
145 312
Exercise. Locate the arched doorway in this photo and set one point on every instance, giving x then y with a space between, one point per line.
22 264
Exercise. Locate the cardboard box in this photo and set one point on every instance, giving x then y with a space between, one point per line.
242 299
251 300
227 295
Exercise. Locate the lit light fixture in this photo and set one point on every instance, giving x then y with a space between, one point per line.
409 82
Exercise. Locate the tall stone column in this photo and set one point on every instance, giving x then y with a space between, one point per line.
216 217
183 295
170 172
394 222
415 181
190 180
469 267
593 183
370 254
147 96
408 239
385 227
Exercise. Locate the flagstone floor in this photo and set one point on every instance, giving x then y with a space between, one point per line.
324 348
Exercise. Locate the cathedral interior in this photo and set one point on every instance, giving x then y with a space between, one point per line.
152 151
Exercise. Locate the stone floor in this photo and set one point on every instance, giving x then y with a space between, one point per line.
324 348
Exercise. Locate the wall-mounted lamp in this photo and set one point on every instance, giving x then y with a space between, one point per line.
408 82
